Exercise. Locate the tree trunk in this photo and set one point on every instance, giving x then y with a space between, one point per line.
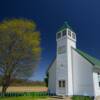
4 88
5 83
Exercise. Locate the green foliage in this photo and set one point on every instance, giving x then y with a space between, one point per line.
26 94
19 49
46 79
81 98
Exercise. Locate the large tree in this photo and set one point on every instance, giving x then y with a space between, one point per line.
19 50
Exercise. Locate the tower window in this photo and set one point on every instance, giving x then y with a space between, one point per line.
58 35
64 33
69 33
73 35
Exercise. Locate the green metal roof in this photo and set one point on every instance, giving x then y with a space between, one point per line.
91 59
65 25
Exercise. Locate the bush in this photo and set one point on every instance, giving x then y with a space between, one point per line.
33 94
81 98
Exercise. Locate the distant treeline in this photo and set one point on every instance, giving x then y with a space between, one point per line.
22 82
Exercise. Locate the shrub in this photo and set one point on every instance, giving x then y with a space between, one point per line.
81 98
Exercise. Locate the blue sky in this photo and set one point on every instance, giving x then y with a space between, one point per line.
82 15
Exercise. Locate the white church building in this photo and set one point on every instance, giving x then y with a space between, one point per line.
73 72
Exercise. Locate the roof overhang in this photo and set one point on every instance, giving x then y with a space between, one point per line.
50 64
96 68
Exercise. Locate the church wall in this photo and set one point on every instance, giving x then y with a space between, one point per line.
96 83
82 75
52 78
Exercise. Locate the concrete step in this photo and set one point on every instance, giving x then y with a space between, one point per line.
97 98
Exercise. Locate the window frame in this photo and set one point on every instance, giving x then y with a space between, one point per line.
62 83
99 79
69 33
64 32
73 35
58 35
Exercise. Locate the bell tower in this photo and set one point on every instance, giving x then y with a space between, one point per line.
66 40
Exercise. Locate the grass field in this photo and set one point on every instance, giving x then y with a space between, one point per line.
26 89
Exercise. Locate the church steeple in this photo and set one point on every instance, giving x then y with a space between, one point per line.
66 40
66 30
65 26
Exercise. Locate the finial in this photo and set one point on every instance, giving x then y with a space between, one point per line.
66 22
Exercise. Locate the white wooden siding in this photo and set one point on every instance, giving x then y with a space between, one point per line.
82 75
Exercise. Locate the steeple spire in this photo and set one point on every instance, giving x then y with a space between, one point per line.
65 25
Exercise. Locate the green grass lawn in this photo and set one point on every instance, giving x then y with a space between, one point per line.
23 98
